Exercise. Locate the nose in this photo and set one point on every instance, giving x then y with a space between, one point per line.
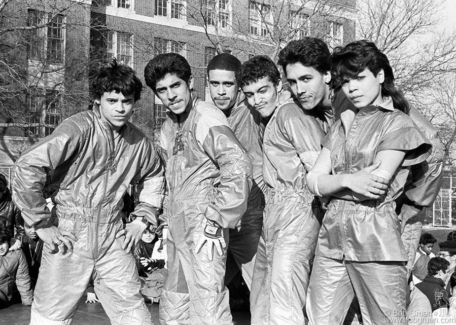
257 98
352 85
171 95
221 90
300 89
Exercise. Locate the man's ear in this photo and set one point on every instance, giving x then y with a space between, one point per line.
381 76
279 86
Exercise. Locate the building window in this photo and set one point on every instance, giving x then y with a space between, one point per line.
162 45
123 4
119 46
212 8
300 22
170 8
159 112
260 18
44 111
47 40
334 33
209 53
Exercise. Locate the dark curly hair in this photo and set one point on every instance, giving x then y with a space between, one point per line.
162 64
436 264
352 59
258 67
309 51
116 77
427 238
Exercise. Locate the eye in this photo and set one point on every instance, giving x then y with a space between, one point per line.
160 91
248 95
292 82
263 91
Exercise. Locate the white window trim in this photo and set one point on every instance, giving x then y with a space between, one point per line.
331 39
183 14
168 46
45 45
114 3
217 13
114 46
260 21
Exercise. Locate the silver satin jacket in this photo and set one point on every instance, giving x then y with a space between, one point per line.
246 125
204 156
369 230
88 172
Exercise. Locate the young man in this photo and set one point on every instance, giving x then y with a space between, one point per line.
10 214
222 75
90 159
307 65
423 255
292 140
32 246
433 285
208 177
13 269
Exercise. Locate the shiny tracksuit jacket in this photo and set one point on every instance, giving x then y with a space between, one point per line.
246 125
208 176
91 172
292 142
360 250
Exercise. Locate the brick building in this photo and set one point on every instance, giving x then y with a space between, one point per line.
136 30
63 40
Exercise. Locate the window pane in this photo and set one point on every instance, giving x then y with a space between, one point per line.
55 39
124 48
160 46
37 35
209 53
176 8
123 4
161 7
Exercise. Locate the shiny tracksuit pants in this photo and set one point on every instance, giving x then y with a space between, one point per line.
63 279
379 286
282 265
244 244
194 291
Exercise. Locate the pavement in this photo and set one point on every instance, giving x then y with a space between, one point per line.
91 314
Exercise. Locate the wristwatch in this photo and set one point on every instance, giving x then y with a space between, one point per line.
213 230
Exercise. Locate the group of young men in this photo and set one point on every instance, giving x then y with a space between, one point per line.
227 178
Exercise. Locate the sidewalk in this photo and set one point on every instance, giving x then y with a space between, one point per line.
92 314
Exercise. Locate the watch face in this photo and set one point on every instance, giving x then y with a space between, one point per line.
211 230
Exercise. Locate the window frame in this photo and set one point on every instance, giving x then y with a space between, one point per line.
41 40
167 9
113 48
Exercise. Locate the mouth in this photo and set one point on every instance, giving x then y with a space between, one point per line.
175 103
355 98
304 99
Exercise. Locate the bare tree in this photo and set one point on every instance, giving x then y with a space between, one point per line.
261 26
43 66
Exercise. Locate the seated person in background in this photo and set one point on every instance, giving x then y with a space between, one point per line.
32 247
448 252
13 269
9 214
150 263
433 285
423 255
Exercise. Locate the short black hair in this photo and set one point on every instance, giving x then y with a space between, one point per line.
309 51
427 238
162 64
3 183
225 61
116 77
5 236
436 264
258 67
